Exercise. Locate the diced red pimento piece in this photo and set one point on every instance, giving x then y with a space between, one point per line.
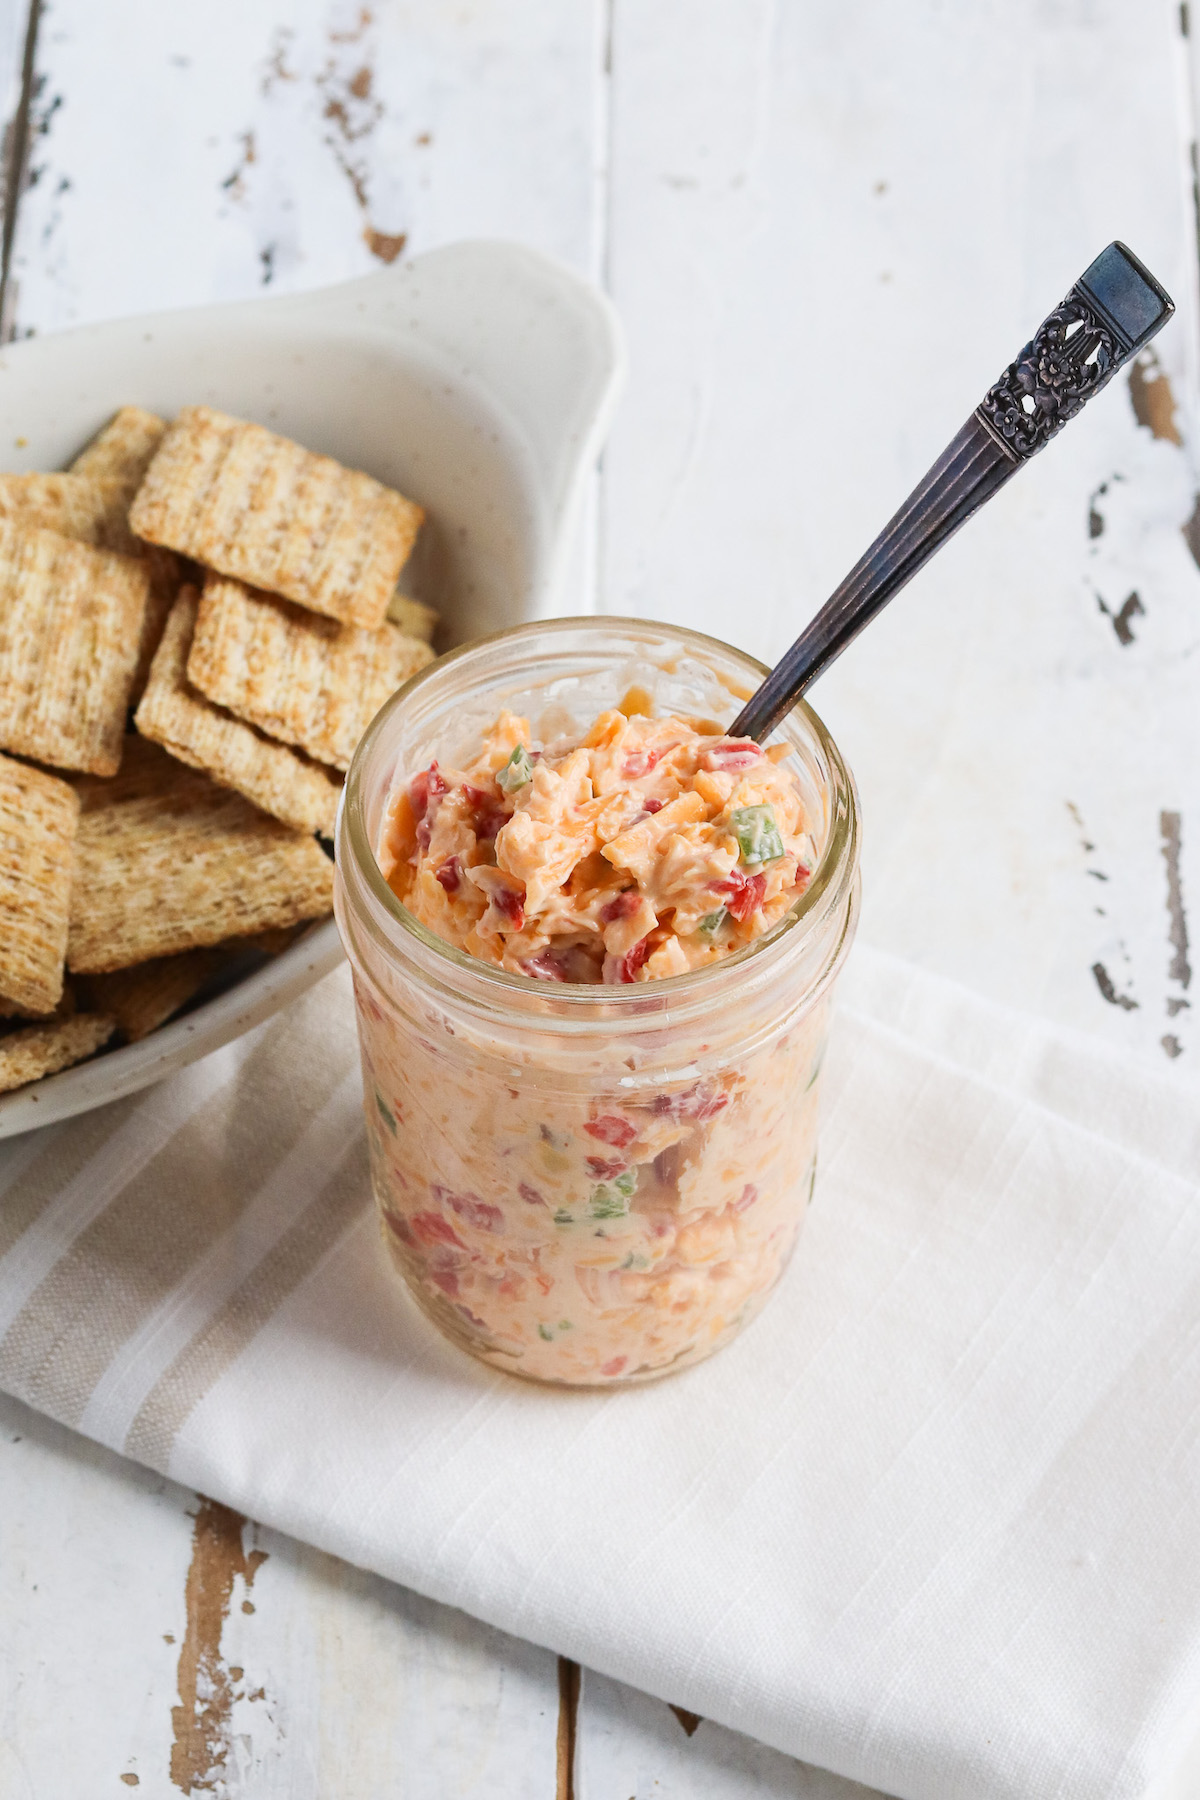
640 762
449 875
610 1129
511 904
364 1000
703 1101
530 1195
545 966
624 968
621 906
505 897
605 1168
431 1228
743 894
653 806
614 1365
746 1198
731 757
429 785
479 1213
487 815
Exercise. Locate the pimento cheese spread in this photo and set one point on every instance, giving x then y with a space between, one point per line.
600 1226
647 848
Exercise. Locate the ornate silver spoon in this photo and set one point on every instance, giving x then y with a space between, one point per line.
1114 308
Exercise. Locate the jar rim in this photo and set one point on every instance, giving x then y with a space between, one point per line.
830 882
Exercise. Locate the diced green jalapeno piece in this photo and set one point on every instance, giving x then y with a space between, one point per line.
385 1112
517 771
712 922
546 1334
609 1202
563 1217
757 833
626 1181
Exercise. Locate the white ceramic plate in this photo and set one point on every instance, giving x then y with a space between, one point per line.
478 379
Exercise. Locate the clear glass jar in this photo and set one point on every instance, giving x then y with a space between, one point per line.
581 1184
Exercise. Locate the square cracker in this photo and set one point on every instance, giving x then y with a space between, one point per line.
91 508
305 680
71 620
183 864
145 769
95 510
122 450
38 819
282 782
258 507
36 1050
414 618
144 997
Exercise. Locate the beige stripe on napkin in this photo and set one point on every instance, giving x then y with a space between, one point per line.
55 1163
181 1389
171 1177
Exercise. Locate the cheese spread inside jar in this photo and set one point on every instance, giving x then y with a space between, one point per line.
648 848
599 1175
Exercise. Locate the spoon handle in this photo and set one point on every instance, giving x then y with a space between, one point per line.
1114 308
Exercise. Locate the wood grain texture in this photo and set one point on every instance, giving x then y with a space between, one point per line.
783 198
824 249
280 148
253 155
146 1632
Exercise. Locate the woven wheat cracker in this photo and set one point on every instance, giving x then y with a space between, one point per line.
284 784
71 621
305 680
258 507
273 943
183 867
122 450
93 509
145 769
38 820
415 619
158 608
36 1050
144 997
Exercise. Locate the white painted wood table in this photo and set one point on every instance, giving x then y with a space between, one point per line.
826 224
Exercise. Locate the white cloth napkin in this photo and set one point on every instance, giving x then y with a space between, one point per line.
932 1522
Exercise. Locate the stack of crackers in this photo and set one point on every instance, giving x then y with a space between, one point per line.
238 595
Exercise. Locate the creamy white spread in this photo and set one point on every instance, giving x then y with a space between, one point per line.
584 1232
647 848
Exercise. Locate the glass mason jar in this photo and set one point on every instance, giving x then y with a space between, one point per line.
585 1184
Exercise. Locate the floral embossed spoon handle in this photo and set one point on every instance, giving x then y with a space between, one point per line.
1114 308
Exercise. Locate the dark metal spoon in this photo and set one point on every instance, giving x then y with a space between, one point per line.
1114 308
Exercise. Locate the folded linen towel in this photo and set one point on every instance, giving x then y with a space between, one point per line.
932 1522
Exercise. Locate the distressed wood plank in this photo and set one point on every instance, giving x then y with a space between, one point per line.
774 158
825 248
274 148
252 157
185 1646
15 26
261 151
